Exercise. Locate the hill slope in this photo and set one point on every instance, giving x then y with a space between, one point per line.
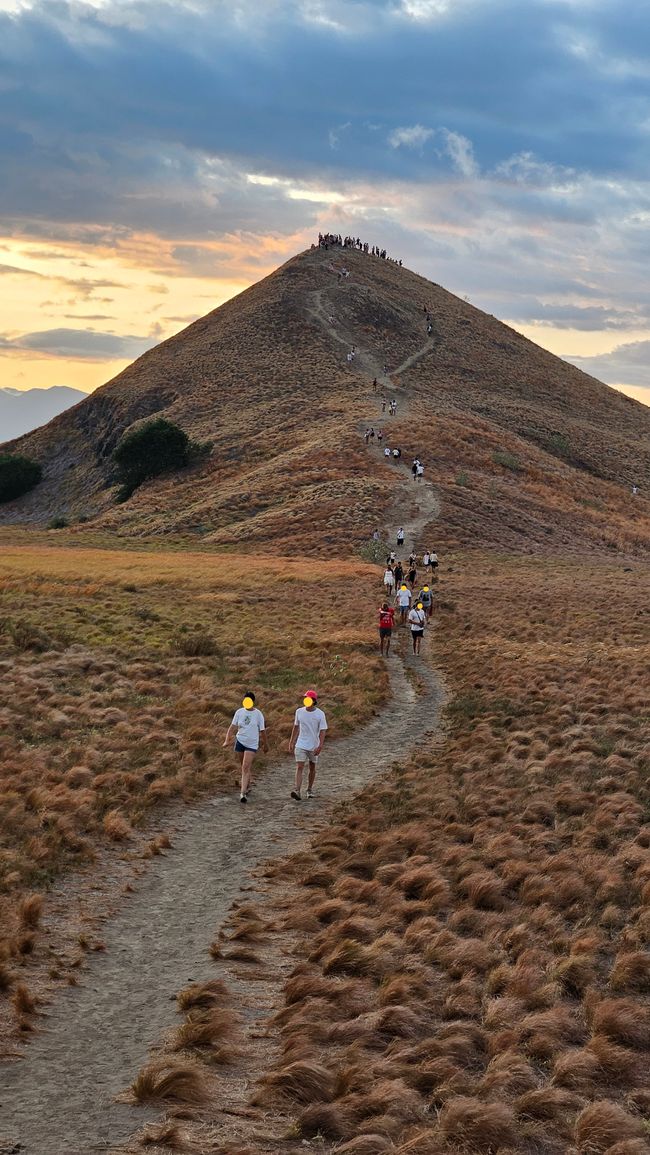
22 411
527 450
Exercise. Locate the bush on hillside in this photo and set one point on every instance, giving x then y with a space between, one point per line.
156 447
507 460
17 475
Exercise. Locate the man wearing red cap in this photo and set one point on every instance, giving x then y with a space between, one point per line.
307 737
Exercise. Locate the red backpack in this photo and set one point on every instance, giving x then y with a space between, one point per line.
385 619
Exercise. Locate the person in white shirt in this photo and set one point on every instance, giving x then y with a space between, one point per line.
403 600
425 559
250 727
419 471
417 622
389 579
307 738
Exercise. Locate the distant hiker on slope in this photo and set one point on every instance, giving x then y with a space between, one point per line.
400 536
417 622
398 574
307 738
251 729
389 580
386 622
433 561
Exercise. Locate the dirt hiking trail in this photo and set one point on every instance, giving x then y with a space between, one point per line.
60 1098
423 506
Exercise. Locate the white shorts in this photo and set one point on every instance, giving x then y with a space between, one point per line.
306 756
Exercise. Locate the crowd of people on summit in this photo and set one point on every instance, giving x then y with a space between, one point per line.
336 241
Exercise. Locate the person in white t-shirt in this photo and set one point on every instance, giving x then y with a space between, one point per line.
389 580
417 621
250 728
403 601
307 738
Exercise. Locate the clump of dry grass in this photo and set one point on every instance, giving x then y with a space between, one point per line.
603 1124
303 1081
171 1080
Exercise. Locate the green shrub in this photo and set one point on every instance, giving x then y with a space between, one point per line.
462 478
156 447
57 523
197 645
507 460
17 475
374 551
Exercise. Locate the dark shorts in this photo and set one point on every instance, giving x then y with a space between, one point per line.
417 633
239 749
385 631
433 564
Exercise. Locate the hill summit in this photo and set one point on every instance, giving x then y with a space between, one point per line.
527 451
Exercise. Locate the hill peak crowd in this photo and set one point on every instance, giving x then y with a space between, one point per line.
337 241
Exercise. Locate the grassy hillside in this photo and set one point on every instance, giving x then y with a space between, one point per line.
528 451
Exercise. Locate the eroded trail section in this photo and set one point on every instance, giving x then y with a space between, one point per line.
416 503
59 1099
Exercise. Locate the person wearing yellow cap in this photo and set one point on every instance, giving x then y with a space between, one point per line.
307 737
250 727
417 621
426 597
403 601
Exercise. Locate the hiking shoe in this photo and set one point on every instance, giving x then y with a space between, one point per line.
243 798
295 794
310 793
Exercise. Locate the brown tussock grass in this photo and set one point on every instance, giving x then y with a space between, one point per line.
477 1124
304 1081
171 1080
209 994
624 1021
602 1124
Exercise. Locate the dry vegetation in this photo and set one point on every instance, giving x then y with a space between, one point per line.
474 974
120 672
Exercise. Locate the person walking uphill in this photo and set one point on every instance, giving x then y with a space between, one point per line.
250 727
307 737
386 623
417 621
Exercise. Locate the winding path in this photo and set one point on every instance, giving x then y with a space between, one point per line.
60 1099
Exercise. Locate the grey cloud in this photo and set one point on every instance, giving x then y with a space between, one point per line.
627 364
79 344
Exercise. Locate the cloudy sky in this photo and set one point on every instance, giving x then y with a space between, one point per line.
158 157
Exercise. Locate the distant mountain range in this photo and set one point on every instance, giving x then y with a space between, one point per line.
22 411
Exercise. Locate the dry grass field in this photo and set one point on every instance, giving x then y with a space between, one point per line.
120 672
471 939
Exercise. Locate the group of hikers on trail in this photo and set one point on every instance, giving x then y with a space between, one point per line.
248 727
413 610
